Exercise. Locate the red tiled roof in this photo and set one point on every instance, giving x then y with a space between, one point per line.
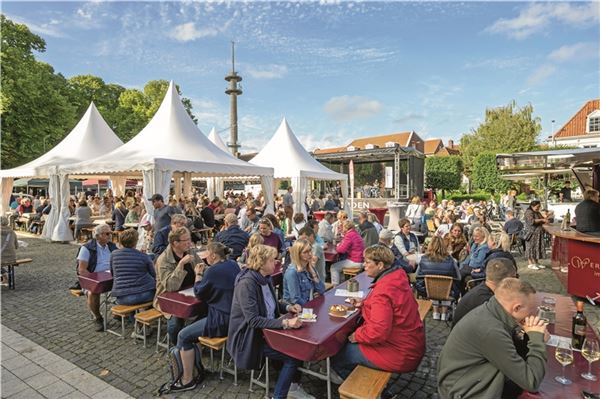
432 146
401 138
447 151
576 126
329 150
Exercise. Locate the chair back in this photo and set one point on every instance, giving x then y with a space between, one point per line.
438 287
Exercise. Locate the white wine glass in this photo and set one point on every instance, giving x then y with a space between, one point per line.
591 352
564 355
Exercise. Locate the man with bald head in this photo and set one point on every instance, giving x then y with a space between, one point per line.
480 357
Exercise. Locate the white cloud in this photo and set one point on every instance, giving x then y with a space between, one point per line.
346 108
188 32
573 52
267 71
537 16
49 29
499 63
540 74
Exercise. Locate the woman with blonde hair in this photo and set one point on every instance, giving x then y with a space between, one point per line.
415 210
301 279
499 247
337 226
477 253
119 214
255 240
255 308
455 241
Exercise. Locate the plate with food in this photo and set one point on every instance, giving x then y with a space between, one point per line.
307 315
341 310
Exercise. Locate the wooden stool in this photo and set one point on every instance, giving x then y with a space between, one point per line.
364 383
146 318
218 344
123 311
257 380
10 275
76 293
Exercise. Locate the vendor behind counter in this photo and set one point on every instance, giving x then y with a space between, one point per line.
587 213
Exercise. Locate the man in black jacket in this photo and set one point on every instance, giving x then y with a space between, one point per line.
587 213
232 236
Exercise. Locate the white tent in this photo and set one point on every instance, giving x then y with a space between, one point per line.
91 137
171 143
214 185
291 161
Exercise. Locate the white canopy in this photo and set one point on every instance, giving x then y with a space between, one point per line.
90 138
290 160
170 143
214 137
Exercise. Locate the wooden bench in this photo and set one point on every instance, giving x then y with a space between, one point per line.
76 293
10 275
123 311
146 318
424 307
364 383
218 344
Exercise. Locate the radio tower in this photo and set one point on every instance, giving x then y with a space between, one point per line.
233 78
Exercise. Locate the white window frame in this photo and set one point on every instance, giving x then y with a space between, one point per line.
590 117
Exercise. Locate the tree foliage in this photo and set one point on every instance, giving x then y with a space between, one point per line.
485 175
505 129
39 107
443 173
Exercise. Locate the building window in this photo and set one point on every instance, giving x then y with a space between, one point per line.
593 125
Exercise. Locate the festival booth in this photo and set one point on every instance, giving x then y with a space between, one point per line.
171 145
572 251
91 137
287 156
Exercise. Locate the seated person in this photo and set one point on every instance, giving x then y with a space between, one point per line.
587 213
512 224
146 236
214 286
265 228
477 253
94 256
301 279
368 232
119 214
255 239
83 217
134 278
161 239
134 214
254 308
208 214
9 245
352 246
436 261
455 241
250 223
337 226
232 236
446 225
386 238
406 242
277 228
496 271
309 235
174 271
480 355
499 247
299 222
392 336
326 227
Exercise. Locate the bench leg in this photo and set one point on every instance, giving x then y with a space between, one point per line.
11 277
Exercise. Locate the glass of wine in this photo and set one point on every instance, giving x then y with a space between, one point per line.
564 355
591 352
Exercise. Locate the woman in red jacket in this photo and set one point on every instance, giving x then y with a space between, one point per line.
352 246
392 337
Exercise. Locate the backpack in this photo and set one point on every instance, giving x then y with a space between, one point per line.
176 369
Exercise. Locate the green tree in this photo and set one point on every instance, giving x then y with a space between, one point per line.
443 173
505 129
485 175
34 102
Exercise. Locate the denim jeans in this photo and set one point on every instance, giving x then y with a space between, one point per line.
134 299
174 325
286 373
349 357
189 335
336 269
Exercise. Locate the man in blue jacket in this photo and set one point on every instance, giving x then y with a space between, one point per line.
233 236
161 240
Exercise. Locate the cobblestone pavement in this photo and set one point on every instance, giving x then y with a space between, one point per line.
42 310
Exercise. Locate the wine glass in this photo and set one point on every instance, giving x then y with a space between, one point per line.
591 352
564 355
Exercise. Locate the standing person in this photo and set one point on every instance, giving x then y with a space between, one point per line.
301 279
94 256
232 236
214 287
353 246
479 356
254 308
587 213
162 212
174 271
566 191
392 336
534 235
288 198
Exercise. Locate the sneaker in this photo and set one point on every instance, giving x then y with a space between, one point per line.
436 316
444 316
179 387
297 392
533 267
335 377
540 266
99 324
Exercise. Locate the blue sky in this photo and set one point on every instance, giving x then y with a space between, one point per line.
336 70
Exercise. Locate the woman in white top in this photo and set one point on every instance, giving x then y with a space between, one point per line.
415 210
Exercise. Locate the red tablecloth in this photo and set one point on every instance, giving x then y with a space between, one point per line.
97 282
380 213
550 388
323 338
180 305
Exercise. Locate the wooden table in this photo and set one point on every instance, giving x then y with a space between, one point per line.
321 339
98 283
180 305
550 388
581 254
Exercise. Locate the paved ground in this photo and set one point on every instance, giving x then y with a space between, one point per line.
42 310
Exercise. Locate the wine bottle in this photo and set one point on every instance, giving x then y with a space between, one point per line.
568 219
579 326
